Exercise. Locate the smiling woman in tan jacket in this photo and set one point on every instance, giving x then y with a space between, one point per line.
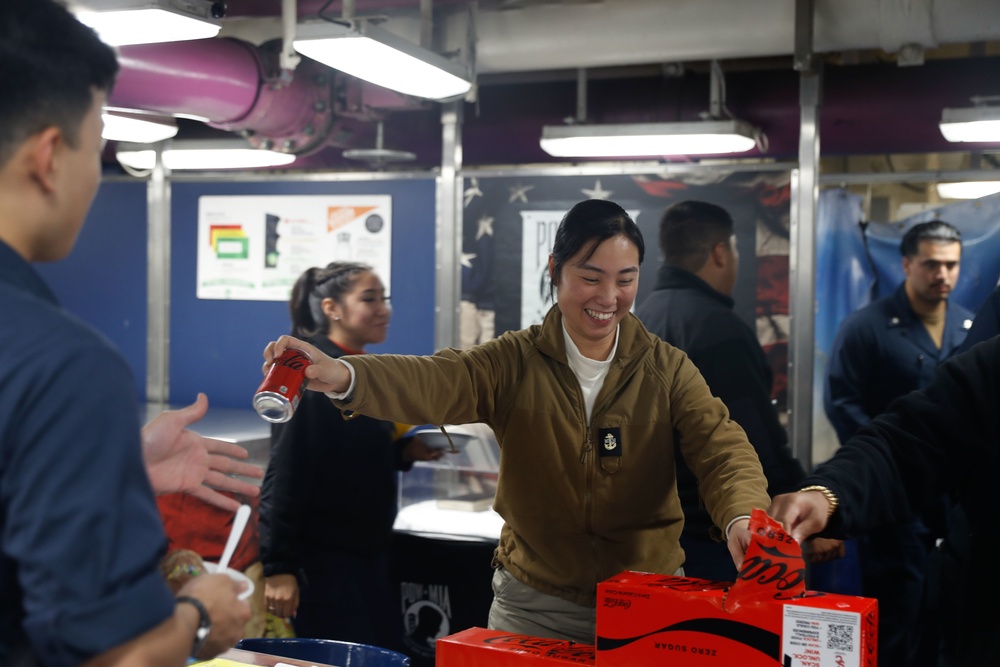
590 411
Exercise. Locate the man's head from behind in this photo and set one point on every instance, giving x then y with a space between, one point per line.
54 72
932 252
698 237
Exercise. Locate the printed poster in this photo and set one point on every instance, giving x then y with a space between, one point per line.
254 248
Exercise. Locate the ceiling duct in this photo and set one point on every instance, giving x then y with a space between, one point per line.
868 107
236 86
231 85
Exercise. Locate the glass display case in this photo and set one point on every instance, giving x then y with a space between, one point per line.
453 496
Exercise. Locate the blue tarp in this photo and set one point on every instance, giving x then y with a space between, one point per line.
845 279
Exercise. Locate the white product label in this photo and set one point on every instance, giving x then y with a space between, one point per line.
814 637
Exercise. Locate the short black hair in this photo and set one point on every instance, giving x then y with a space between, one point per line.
590 223
937 231
689 230
50 64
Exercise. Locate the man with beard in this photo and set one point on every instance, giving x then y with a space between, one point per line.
883 351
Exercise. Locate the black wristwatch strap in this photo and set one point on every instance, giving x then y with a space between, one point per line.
204 623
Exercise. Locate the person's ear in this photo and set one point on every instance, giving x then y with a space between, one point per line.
552 270
43 153
330 308
720 254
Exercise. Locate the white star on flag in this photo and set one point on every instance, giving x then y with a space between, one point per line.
520 192
598 192
472 191
485 227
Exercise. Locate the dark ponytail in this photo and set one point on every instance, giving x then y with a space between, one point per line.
306 303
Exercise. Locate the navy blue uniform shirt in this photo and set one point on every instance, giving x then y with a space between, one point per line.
80 534
688 313
882 352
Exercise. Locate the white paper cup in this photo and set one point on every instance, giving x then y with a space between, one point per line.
235 575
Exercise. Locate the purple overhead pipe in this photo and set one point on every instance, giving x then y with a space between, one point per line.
232 84
217 79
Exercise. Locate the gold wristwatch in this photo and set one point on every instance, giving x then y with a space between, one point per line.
828 494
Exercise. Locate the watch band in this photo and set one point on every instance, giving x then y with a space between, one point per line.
828 494
204 623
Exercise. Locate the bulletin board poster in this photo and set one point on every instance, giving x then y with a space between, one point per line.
254 248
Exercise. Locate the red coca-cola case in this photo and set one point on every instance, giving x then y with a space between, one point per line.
479 647
765 619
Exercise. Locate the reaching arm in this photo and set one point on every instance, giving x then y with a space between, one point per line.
919 448
179 460
325 373
801 514
169 644
736 372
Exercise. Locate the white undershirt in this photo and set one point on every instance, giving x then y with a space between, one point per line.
589 373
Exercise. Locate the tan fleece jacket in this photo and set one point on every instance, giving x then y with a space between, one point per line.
580 503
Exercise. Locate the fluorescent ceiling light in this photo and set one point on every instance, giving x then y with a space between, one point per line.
121 22
979 124
137 127
204 156
368 52
968 189
648 139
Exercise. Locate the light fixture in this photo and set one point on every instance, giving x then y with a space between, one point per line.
711 137
206 155
121 22
718 134
380 155
368 52
136 126
979 124
968 189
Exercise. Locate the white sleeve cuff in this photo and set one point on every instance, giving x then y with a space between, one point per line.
350 388
730 524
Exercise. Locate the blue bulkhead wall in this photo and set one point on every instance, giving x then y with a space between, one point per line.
216 345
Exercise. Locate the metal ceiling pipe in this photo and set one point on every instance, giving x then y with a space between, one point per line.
539 36
233 86
214 79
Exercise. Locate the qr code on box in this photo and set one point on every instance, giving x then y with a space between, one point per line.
840 637
813 636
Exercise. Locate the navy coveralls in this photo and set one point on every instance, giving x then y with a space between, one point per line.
882 352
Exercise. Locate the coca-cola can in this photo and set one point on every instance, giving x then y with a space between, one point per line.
280 392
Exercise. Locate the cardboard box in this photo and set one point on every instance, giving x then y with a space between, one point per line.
765 619
479 647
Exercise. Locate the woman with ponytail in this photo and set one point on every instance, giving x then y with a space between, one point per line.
328 500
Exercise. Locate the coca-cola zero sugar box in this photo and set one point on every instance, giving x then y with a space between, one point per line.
765 619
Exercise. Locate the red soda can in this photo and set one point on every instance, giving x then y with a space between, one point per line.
279 394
